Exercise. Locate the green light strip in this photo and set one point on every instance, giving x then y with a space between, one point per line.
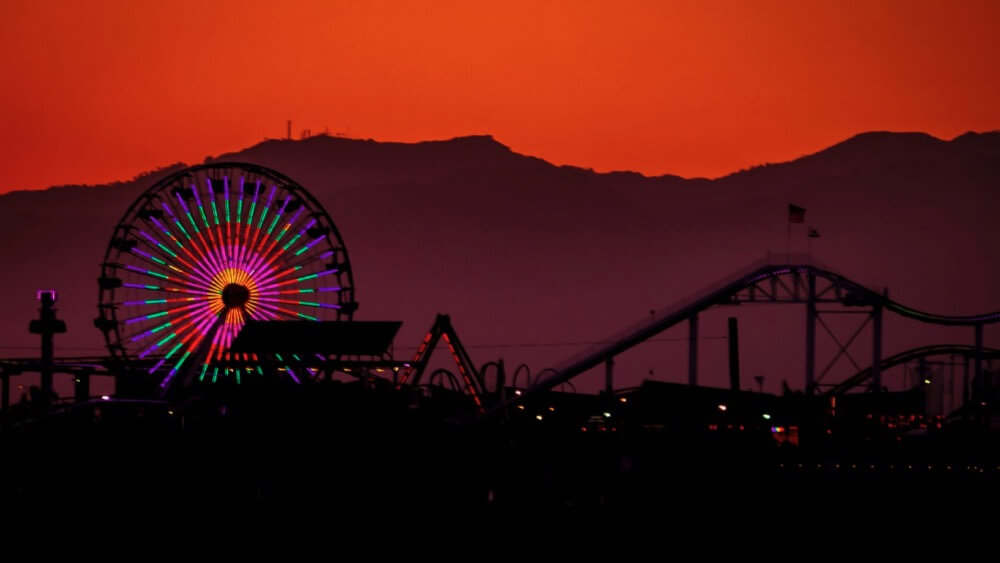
183 230
253 207
167 250
291 242
273 223
193 224
204 218
184 357
174 350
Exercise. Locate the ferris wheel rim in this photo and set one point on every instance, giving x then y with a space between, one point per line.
209 297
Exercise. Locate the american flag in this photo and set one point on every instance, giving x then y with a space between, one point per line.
796 214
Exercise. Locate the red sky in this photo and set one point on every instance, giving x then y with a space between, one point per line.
100 91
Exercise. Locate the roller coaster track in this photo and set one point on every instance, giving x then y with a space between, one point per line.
776 279
910 355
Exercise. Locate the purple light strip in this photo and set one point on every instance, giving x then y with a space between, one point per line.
241 257
239 208
163 228
169 311
197 195
309 245
284 205
142 252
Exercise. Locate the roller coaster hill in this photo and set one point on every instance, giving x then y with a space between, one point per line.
226 299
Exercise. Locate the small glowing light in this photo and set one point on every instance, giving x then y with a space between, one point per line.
767 416
50 293
552 409
170 412
722 408
105 398
622 400
607 415
517 392
520 407
538 417
927 382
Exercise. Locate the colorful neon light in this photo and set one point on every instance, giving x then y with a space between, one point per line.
213 257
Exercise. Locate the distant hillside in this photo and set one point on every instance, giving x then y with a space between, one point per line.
520 251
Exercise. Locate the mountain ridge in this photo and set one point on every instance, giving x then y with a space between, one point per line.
486 145
517 249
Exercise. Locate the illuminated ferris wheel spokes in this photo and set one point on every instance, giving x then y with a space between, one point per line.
206 250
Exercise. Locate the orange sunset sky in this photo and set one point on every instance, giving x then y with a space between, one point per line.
102 90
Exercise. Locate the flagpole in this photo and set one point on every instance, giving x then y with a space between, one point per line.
788 239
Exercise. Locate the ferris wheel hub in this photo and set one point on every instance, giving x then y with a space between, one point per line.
235 295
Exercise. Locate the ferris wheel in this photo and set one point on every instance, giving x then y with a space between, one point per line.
204 251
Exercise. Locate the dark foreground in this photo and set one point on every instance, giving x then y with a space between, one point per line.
364 449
